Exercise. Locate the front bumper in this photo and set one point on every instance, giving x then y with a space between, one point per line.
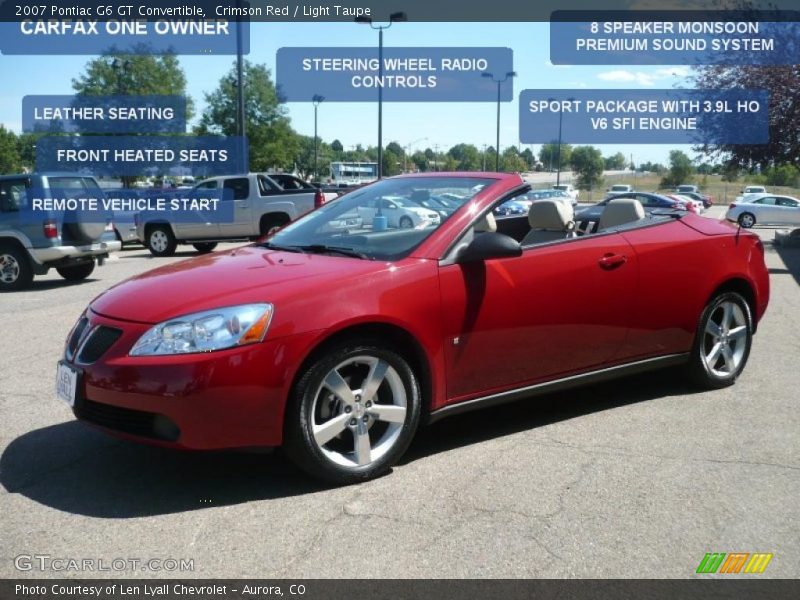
231 398
58 253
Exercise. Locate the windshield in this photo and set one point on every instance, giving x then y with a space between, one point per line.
385 220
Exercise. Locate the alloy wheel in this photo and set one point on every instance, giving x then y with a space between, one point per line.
747 220
159 241
358 411
9 269
725 339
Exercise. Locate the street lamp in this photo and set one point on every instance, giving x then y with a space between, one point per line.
364 20
558 151
505 78
316 99
406 148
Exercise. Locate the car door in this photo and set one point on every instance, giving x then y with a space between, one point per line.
789 211
200 224
236 190
558 309
766 210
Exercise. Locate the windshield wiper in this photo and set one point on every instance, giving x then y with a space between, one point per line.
322 248
280 248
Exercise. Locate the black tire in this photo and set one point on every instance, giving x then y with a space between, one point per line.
719 375
406 223
269 224
205 247
747 220
16 272
161 241
77 272
309 393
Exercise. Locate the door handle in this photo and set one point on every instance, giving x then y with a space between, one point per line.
612 261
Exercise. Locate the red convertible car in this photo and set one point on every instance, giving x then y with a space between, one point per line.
337 341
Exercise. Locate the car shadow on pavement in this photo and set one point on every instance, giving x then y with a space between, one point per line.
75 469
43 285
791 259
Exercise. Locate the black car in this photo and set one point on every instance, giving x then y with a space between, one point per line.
587 219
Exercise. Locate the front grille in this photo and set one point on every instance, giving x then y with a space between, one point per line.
100 340
75 338
126 420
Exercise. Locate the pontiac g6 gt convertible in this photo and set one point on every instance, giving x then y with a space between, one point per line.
337 343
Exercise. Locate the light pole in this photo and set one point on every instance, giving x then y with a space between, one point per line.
316 99
406 149
505 78
393 18
484 157
558 155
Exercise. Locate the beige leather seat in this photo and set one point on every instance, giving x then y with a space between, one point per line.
549 220
487 223
620 211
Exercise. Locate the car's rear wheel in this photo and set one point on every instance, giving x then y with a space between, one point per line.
747 220
161 241
15 269
77 272
406 222
353 413
205 247
722 341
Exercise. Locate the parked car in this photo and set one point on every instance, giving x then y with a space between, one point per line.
260 207
765 209
560 195
400 212
620 188
685 188
707 201
589 218
71 243
751 189
512 207
338 345
690 203
566 187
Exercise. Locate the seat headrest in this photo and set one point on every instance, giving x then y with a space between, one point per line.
487 223
620 211
550 215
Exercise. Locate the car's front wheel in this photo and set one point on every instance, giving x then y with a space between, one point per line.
205 247
15 269
747 220
406 223
161 241
353 413
722 341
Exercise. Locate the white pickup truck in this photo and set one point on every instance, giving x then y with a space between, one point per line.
260 206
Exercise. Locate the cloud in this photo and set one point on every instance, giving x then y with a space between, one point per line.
643 78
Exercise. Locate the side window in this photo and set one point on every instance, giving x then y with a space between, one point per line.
13 195
240 187
788 202
770 200
646 200
207 185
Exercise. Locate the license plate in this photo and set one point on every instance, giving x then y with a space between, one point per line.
66 383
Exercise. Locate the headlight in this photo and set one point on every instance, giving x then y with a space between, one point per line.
206 331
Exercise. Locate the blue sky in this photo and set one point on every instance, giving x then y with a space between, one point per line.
442 124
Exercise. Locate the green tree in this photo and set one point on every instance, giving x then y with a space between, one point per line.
467 157
511 161
273 142
783 175
336 146
548 155
392 162
680 169
587 162
420 160
615 162
10 161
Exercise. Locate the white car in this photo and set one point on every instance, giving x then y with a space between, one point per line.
567 188
699 207
751 189
399 213
620 188
765 209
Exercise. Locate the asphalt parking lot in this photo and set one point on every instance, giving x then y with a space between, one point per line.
635 478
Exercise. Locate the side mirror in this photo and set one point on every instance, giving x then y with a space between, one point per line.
489 245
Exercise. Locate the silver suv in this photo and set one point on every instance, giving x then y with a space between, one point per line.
32 246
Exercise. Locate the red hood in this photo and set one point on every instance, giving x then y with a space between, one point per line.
244 275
